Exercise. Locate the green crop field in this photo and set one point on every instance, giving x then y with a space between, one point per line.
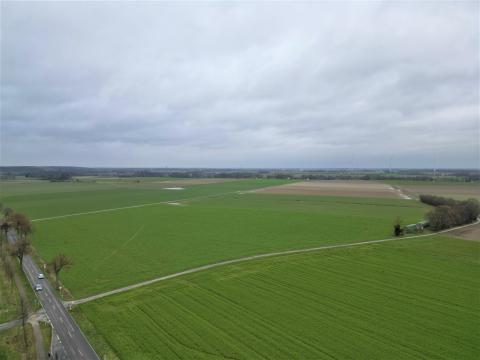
413 299
119 248
40 199
408 299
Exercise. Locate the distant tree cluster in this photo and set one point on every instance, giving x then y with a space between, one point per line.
57 176
7 176
65 173
450 212
434 200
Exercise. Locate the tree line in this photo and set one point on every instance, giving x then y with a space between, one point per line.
22 225
449 212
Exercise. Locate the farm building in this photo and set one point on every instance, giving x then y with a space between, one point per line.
418 227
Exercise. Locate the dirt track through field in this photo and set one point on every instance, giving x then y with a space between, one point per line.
471 233
250 258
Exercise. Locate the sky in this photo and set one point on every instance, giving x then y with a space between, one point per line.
240 84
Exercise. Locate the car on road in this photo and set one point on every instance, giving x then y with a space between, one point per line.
38 287
41 276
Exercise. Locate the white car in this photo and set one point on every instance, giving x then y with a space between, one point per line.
38 287
41 276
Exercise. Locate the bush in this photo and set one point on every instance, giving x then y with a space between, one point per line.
451 212
436 200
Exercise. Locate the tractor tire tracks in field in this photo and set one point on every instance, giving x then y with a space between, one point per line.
253 257
114 252
171 202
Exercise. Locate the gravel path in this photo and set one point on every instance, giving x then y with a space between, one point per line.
249 258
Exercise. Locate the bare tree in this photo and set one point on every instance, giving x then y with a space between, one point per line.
20 249
4 227
21 223
58 263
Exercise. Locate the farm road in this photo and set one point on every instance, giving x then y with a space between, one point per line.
71 336
253 257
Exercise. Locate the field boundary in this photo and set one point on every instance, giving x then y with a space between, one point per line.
172 202
250 258
134 206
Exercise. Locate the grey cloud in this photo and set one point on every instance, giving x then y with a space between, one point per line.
230 84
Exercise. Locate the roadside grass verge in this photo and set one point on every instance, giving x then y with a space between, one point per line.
12 347
8 297
412 299
46 330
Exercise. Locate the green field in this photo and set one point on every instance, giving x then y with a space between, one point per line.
414 299
40 199
119 248
409 299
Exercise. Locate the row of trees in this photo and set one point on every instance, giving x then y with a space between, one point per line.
12 220
18 249
22 246
449 212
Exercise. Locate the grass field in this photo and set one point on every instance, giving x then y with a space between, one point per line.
12 347
409 299
119 248
40 199
414 299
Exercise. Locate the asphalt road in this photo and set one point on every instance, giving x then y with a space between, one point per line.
73 340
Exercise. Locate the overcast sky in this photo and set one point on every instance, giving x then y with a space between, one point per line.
240 84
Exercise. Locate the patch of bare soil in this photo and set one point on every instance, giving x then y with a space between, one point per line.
335 188
463 191
468 233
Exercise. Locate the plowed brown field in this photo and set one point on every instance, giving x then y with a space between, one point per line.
335 188
459 191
